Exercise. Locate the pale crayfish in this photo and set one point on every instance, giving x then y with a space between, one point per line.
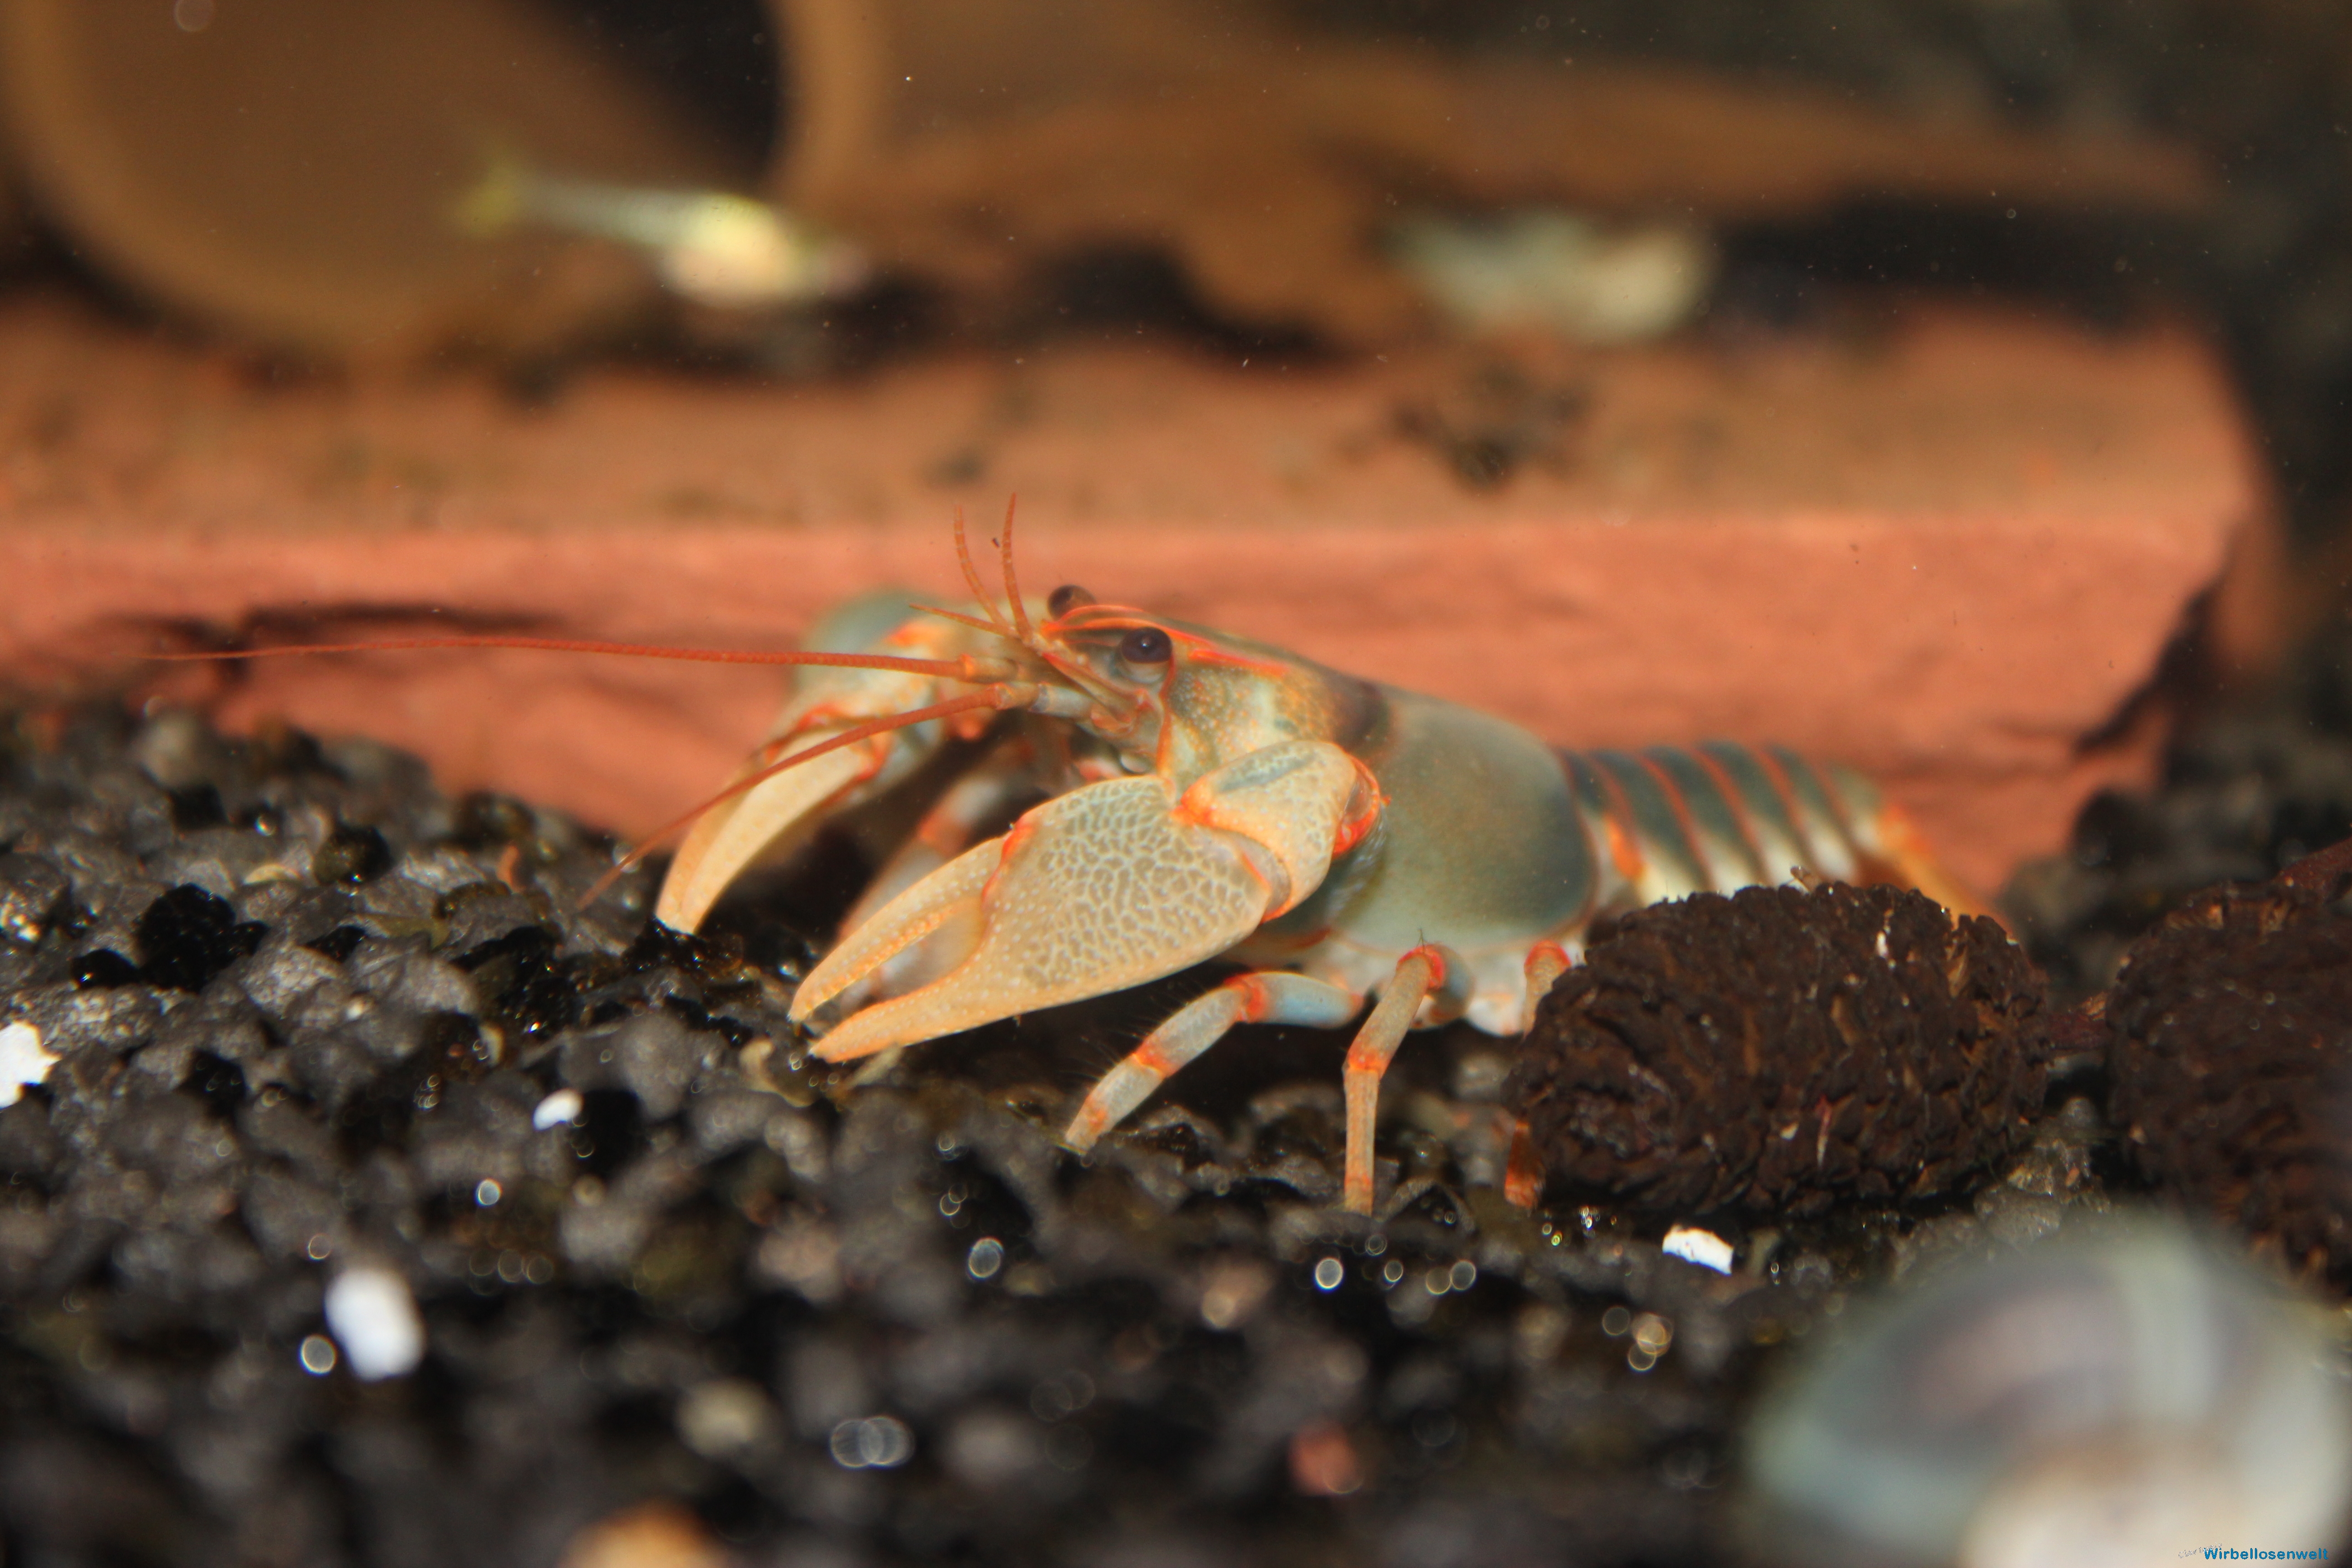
1209 797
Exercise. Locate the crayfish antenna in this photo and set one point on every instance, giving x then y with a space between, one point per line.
960 618
1018 629
999 696
1012 585
952 669
996 623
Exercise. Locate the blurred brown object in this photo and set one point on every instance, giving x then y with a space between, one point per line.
2229 1054
964 141
650 1535
2276 595
16 225
291 171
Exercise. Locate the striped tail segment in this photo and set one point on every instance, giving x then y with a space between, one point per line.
1676 820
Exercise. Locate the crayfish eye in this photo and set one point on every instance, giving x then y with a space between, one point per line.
1146 645
1065 598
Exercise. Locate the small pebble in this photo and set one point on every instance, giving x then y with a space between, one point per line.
1704 1247
23 1062
373 1318
557 1109
722 1416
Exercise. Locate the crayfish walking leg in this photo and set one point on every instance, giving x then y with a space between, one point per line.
1429 974
1270 997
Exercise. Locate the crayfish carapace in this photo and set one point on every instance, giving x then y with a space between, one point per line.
1208 796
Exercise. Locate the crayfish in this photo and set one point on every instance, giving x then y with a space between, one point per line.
1210 796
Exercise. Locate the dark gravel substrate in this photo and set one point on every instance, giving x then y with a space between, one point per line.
2248 788
307 1013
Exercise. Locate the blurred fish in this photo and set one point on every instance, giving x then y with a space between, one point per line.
725 251
2127 1393
1559 271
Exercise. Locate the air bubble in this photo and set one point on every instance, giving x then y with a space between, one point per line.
876 1443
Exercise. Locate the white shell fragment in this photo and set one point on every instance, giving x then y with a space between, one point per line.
23 1061
373 1318
563 1106
2110 1397
1704 1247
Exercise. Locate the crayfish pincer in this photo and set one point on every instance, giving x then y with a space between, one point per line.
1210 796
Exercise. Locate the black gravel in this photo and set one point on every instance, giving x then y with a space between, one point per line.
2247 789
309 1014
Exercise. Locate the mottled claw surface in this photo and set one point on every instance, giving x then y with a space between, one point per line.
1104 888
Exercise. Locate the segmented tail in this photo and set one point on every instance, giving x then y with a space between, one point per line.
1676 820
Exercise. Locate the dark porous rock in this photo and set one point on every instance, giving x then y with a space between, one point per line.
2229 1042
726 1119
522 982
171 1138
333 1066
480 1135
352 854
287 982
603 1238
406 974
117 1018
225 1025
189 935
32 891
479 912
276 1125
28 1145
288 1216
1778 1051
652 1056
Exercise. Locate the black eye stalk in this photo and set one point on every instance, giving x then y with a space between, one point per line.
1067 597
1146 645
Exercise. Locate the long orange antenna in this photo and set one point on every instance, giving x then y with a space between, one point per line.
1001 697
1012 585
960 618
953 669
971 578
1018 628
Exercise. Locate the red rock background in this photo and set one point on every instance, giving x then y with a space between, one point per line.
1945 548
